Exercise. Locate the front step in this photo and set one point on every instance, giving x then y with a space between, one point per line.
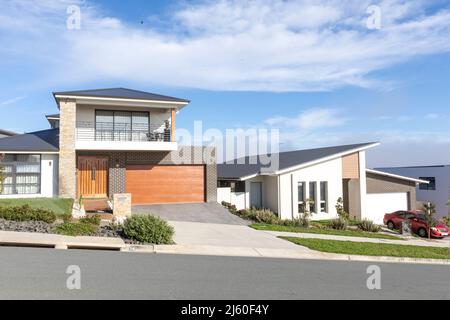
100 206
103 216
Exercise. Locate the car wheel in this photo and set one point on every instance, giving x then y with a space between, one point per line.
390 225
422 233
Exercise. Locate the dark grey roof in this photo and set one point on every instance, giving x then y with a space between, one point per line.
56 115
7 133
286 160
44 141
122 93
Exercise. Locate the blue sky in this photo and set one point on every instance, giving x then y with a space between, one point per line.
311 69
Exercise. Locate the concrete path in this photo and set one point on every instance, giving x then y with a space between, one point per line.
191 212
410 242
211 234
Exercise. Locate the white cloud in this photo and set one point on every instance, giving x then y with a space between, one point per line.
265 45
433 116
309 119
11 101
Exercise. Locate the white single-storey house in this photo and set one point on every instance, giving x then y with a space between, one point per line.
322 175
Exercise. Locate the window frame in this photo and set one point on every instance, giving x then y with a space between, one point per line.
431 186
113 131
301 204
14 174
312 196
325 200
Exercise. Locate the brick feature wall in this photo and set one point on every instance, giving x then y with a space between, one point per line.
184 156
382 184
67 160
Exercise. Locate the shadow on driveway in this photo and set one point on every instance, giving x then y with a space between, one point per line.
191 212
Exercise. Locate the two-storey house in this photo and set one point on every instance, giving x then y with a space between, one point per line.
109 141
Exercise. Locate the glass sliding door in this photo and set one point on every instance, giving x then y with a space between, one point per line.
104 125
140 123
122 125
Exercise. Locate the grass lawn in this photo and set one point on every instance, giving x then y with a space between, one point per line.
348 233
57 205
372 249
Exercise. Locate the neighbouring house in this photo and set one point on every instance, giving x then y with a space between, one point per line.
436 191
105 142
323 175
6 133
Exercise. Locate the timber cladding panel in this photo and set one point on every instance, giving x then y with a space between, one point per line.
350 166
165 183
118 161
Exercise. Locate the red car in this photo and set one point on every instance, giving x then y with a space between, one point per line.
419 224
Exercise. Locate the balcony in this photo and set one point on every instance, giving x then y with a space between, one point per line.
124 136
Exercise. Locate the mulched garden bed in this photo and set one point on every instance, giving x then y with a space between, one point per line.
43 227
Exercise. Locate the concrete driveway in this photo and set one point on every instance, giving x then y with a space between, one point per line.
221 235
209 224
191 212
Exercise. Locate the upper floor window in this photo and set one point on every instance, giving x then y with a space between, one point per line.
121 125
428 186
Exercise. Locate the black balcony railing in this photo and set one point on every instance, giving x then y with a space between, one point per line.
103 131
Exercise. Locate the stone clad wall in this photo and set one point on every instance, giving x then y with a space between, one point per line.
67 159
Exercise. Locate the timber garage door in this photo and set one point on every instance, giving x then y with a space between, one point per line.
380 203
165 184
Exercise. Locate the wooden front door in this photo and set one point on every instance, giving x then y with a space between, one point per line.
92 176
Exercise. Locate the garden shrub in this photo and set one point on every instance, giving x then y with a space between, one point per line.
262 216
298 222
66 217
369 226
338 224
76 229
93 219
27 213
148 229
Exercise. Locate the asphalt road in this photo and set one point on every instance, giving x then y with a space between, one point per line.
41 274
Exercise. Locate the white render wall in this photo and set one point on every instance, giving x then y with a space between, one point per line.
329 171
224 194
440 196
49 179
49 175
